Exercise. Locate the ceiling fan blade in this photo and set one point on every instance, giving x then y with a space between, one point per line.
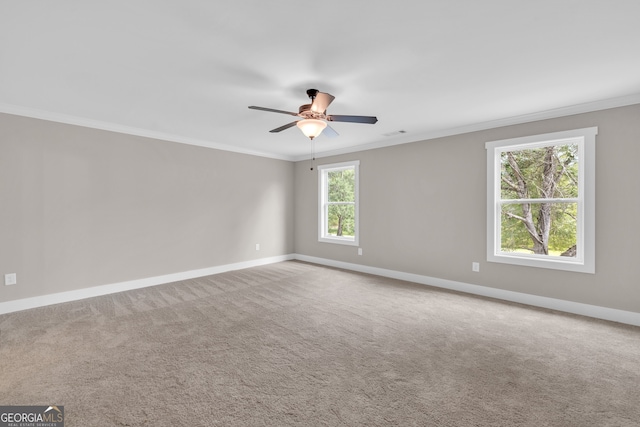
329 132
285 127
321 102
353 119
253 107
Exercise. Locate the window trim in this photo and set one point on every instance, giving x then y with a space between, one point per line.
585 239
323 171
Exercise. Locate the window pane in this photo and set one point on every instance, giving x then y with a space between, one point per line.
547 172
539 228
341 185
340 221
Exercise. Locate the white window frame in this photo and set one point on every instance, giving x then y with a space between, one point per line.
584 262
323 204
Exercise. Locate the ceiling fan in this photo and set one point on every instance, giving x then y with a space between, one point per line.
314 116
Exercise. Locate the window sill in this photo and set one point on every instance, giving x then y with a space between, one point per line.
339 241
555 263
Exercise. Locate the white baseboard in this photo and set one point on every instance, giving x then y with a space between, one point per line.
614 315
44 300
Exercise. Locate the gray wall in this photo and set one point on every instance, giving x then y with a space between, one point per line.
423 211
82 207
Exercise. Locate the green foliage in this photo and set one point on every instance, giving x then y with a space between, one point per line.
540 173
341 212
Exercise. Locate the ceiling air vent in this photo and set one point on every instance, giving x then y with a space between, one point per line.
398 132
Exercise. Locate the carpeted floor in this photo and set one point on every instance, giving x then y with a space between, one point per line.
296 344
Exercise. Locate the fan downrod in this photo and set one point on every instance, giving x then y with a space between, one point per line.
312 93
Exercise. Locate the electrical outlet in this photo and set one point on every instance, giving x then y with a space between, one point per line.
359 251
475 266
10 279
257 246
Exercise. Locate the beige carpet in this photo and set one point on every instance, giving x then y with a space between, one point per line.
295 344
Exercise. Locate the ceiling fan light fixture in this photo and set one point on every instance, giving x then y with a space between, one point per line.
311 127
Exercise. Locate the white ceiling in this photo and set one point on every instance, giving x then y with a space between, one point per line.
187 70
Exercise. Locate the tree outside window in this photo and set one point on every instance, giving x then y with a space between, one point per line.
341 202
539 194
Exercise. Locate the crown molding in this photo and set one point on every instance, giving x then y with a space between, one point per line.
404 139
587 107
128 130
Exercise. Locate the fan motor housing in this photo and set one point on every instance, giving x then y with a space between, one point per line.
305 111
304 108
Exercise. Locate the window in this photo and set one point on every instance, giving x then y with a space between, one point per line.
541 200
338 204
